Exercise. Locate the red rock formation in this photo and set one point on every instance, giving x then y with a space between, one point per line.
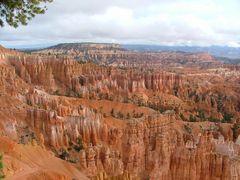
35 109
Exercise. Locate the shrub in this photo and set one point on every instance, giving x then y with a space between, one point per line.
56 93
187 128
201 115
213 119
192 118
227 118
79 95
182 117
74 161
120 115
2 176
161 109
63 154
29 102
192 94
79 146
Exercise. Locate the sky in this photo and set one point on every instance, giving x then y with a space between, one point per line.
161 22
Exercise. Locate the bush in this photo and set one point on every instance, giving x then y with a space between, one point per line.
201 115
213 119
63 154
56 93
120 115
187 128
197 98
2 176
161 109
79 145
182 117
192 118
29 102
74 161
227 118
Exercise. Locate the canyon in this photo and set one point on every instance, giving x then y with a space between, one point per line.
99 111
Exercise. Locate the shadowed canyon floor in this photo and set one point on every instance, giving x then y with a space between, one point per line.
98 111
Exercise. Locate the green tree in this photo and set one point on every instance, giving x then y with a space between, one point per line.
213 119
227 117
201 114
1 168
79 146
63 154
19 12
192 118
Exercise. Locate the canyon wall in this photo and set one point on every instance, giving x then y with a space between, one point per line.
108 123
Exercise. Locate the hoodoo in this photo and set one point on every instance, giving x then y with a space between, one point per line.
104 122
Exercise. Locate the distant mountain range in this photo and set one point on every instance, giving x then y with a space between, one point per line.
218 51
224 53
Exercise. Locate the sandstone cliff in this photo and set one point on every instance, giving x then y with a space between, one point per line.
117 123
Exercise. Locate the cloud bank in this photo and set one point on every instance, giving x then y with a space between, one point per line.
166 22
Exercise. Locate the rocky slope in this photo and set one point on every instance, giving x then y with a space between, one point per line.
33 162
109 122
115 55
87 52
182 90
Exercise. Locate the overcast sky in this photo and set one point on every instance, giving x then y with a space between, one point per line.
167 22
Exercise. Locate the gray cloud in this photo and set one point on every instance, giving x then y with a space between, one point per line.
137 21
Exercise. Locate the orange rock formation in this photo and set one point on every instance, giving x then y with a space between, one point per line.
108 122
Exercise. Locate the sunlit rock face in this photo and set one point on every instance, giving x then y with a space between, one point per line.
48 71
119 121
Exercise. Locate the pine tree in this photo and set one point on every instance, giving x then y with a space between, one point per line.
19 12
